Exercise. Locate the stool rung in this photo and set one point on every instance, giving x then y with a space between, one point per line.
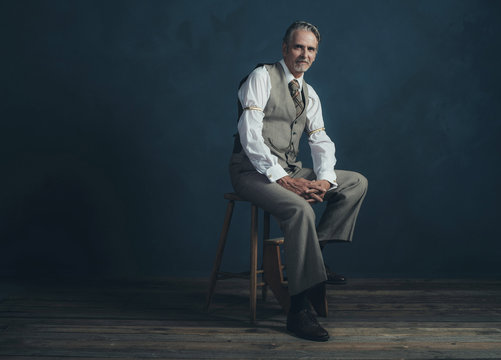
241 275
275 241
228 275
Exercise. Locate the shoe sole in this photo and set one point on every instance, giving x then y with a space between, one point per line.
335 282
322 339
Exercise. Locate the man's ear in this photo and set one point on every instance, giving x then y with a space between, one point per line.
284 49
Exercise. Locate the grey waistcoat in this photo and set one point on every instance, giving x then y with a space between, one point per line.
281 129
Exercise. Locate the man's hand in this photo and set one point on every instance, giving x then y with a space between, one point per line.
318 190
311 191
298 186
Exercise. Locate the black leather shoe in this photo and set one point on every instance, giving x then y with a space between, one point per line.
305 325
333 278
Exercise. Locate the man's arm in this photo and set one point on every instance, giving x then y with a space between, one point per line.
253 95
322 147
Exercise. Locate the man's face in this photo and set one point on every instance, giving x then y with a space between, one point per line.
300 52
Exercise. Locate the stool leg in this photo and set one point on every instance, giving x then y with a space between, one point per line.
219 253
253 262
273 276
266 235
266 225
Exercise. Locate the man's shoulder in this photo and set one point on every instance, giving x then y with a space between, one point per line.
266 65
260 70
264 68
258 75
311 92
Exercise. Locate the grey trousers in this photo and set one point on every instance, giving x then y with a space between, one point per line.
303 256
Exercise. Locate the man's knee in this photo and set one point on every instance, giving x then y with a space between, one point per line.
352 184
360 185
363 182
355 179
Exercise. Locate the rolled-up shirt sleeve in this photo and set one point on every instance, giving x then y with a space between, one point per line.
322 148
253 95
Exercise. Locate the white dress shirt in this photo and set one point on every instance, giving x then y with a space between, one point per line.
254 93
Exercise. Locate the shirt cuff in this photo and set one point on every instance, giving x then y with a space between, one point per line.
329 176
275 172
333 186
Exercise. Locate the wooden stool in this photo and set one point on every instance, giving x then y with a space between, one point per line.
272 270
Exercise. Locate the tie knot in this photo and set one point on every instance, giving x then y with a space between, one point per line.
293 86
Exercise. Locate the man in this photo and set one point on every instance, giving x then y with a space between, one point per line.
277 106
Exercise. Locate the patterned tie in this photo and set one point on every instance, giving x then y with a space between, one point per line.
296 96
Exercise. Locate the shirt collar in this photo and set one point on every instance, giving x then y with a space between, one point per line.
289 77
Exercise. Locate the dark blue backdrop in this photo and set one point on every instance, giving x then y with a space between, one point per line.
117 120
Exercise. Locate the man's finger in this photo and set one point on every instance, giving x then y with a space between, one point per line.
316 197
317 187
316 191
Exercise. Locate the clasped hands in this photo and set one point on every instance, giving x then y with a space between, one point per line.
311 190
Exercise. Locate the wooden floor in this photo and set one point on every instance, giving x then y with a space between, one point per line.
369 319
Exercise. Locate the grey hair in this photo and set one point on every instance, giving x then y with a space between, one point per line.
300 25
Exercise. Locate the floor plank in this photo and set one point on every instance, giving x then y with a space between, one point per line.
164 318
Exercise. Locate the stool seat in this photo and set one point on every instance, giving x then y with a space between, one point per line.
276 241
233 196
